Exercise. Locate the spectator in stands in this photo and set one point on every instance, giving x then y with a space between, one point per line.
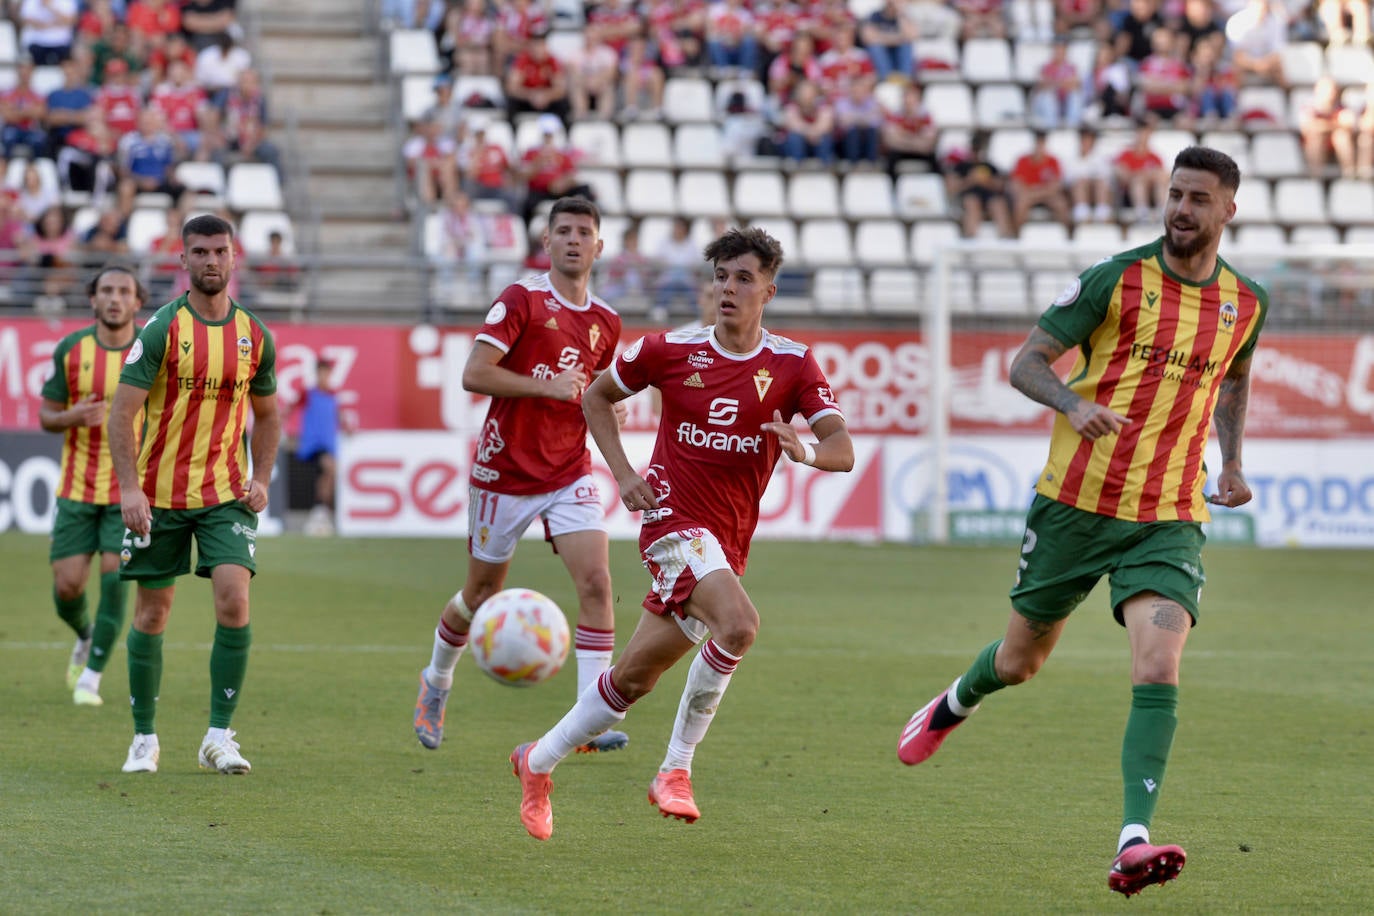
1200 23
844 63
119 98
431 162
206 22
182 103
595 76
16 237
248 142
213 143
858 120
87 162
1111 86
1143 177
641 81
980 187
278 272
1256 37
465 38
1215 86
741 127
537 82
165 256
1038 181
146 159
36 197
47 29
115 45
484 167
218 67
148 19
1165 80
549 171
617 22
786 71
934 18
624 280
107 238
462 249
808 122
1072 16
827 18
167 48
54 252
1364 136
982 18
678 260
446 111
67 105
776 26
910 134
889 37
411 14
731 45
22 111
1346 21
1327 129
1057 97
1089 177
1132 28
97 19
517 21
677 30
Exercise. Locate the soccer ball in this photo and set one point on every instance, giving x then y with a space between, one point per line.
519 637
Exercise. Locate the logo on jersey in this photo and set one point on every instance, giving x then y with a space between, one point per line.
722 412
630 354
245 347
1069 294
694 381
1151 298
135 353
700 359
763 380
1229 316
552 304
490 443
653 477
569 358
691 434
497 313
594 334
826 394
185 346
551 324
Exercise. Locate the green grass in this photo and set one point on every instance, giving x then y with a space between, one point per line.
805 807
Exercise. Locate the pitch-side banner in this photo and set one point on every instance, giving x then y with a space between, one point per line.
1305 386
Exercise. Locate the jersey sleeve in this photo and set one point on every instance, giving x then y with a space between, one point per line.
816 399
1082 305
631 367
264 381
145 357
55 388
506 319
608 354
1262 296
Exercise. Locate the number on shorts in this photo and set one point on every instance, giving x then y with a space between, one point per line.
1027 546
483 509
142 541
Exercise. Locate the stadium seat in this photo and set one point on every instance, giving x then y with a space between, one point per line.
1350 65
1359 235
145 226
529 133
207 177
1000 104
650 192
952 141
961 298
1031 19
839 290
1096 239
653 232
9 43
866 195
937 57
986 60
698 146
1303 62
605 183
1265 238
1007 144
894 291
760 194
813 195
754 92
501 275
1299 200
566 45
1062 144
928 236
1350 201
1168 142
256 226
688 99
500 132
646 145
782 229
432 236
1233 143
889 95
253 186
1048 242
469 87
47 174
417 95
598 141
1046 285
414 51
1270 100
826 243
949 104
1002 291
1027 59
921 196
1254 202
84 219
46 79
880 242
612 235
1137 234
1315 235
1276 154
508 240
702 192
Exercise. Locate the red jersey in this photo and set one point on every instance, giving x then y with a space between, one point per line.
546 165
1132 161
1164 69
143 19
121 105
489 165
537 445
22 97
711 461
1037 172
536 74
840 68
180 105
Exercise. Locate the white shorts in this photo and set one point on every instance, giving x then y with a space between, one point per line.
497 520
678 561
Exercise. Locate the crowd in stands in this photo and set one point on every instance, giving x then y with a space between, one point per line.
844 86
106 102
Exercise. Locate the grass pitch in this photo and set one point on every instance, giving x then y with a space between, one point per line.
805 807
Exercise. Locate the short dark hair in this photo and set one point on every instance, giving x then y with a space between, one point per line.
140 291
752 240
579 205
1206 159
206 224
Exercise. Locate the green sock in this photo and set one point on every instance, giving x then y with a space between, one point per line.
1145 749
73 613
228 664
109 619
981 678
145 677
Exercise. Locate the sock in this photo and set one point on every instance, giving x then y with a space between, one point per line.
73 613
145 677
1145 749
448 648
593 648
707 679
977 682
89 680
595 711
228 665
1132 834
109 620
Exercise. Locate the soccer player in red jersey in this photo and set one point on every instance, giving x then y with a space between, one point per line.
543 341
201 364
76 402
1165 334
729 393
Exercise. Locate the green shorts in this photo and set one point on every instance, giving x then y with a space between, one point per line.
1066 551
81 529
226 533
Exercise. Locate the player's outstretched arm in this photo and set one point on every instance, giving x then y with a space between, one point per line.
483 374
1032 374
599 407
128 400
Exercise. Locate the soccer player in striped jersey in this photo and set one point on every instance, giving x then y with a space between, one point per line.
1165 335
729 393
76 403
201 364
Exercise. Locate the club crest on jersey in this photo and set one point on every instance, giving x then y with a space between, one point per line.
245 347
697 547
1229 315
700 359
594 335
763 380
694 381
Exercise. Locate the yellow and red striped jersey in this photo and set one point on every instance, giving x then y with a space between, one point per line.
83 366
1154 348
199 376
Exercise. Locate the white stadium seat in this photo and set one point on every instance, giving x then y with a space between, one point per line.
698 146
414 51
1028 58
1350 65
999 104
253 186
930 235
839 290
866 195
1299 200
605 183
1303 62
880 242
1315 235
1276 154
256 227
146 225
760 194
1254 202
1002 291
921 196
782 229
598 141
826 243
949 104
646 145
650 192
1266 238
894 290
688 99
813 195
703 192
1007 144
1350 201
986 60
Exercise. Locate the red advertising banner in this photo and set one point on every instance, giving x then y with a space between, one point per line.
390 377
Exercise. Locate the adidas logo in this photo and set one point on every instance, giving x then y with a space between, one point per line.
694 381
551 324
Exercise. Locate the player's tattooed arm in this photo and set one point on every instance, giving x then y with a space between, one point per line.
1032 374
1233 398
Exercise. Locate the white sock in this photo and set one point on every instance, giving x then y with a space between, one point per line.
444 657
89 681
590 716
591 664
952 698
1132 832
216 735
707 679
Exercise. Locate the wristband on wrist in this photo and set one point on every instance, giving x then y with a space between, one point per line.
808 454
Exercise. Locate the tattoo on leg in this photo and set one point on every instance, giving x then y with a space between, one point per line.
1038 628
1169 615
